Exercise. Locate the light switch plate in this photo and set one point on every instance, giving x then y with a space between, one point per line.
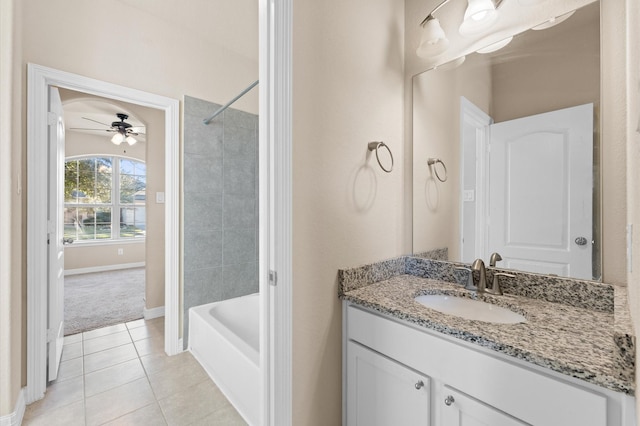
160 197
468 195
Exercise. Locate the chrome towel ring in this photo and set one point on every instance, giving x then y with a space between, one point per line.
373 146
433 162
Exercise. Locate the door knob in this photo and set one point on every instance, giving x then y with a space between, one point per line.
67 240
581 241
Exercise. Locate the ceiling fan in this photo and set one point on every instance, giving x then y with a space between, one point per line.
124 132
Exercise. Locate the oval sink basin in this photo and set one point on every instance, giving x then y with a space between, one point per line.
470 309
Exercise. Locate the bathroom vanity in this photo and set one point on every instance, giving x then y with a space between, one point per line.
570 363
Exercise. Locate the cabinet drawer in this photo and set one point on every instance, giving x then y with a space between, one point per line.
523 393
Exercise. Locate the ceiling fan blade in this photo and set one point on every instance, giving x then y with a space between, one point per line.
96 121
91 130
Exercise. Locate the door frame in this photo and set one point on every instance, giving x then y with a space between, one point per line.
276 211
38 81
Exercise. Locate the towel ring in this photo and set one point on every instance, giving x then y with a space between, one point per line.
373 146
434 162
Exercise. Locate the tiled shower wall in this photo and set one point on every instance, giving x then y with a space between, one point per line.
220 205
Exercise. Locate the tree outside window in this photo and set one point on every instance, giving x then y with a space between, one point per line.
95 188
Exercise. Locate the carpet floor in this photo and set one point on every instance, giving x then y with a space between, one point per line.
103 298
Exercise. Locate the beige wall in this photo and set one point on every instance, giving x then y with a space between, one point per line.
348 91
164 47
83 256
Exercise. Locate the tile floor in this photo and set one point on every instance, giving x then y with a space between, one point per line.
120 375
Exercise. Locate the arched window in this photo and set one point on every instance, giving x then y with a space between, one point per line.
104 198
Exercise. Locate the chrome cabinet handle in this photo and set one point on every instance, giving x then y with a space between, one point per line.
449 400
419 385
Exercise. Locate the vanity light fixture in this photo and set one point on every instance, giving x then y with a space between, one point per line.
450 65
433 40
495 46
553 21
479 16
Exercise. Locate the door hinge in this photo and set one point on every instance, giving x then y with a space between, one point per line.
273 277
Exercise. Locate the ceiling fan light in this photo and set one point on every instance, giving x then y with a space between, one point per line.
131 140
117 139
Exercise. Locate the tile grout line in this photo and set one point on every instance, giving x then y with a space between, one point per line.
146 375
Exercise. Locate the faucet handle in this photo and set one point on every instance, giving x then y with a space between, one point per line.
469 285
495 258
495 286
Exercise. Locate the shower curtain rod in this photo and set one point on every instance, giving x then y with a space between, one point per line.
228 104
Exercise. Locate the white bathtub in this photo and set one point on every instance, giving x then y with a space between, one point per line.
224 338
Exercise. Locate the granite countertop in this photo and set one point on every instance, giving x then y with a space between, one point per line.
591 341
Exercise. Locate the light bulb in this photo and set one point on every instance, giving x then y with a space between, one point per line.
479 16
131 140
117 138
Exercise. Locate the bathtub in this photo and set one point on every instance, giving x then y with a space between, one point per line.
224 338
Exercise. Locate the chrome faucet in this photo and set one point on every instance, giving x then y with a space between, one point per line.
478 266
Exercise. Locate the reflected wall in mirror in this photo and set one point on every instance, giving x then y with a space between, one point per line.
518 131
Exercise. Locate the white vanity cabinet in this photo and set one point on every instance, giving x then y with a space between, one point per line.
462 410
397 373
385 392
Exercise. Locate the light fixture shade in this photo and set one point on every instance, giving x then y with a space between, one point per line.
451 64
131 140
433 40
118 138
479 16
554 21
495 46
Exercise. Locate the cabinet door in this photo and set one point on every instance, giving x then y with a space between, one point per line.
382 392
459 409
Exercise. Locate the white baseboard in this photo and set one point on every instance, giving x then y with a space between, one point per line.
103 268
153 312
15 418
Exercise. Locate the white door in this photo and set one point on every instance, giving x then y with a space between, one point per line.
55 319
383 392
462 410
541 190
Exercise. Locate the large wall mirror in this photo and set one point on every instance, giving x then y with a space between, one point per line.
517 130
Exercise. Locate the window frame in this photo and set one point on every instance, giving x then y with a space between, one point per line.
115 205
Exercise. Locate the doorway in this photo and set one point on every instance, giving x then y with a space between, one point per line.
110 159
40 79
